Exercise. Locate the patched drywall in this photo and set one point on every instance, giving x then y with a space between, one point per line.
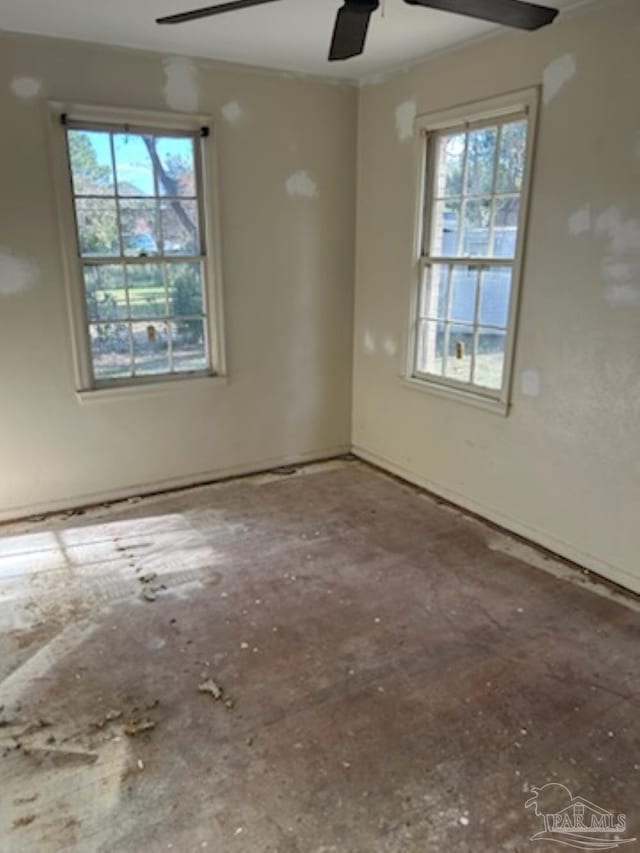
390 346
530 383
623 295
556 75
621 263
368 342
301 185
580 221
17 273
232 112
181 88
405 118
26 87
623 233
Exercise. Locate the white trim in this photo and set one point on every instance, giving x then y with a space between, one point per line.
176 382
538 537
479 111
500 106
421 215
88 499
209 203
125 115
66 234
457 394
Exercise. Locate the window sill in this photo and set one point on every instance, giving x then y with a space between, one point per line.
116 392
498 407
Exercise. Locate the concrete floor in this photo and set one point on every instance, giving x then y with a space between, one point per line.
400 676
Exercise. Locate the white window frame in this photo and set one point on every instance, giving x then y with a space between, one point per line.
62 115
524 102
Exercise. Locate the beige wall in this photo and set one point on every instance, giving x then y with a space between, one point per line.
564 467
288 282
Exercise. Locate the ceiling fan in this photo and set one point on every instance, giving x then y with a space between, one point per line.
352 21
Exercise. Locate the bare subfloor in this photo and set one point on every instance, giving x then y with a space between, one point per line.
396 677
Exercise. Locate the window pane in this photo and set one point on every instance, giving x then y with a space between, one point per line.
110 350
463 293
450 164
446 225
434 295
180 227
513 144
185 289
495 290
134 169
189 346
138 220
147 296
505 226
91 166
480 161
150 348
477 214
97 227
105 292
465 297
175 166
430 347
490 358
459 349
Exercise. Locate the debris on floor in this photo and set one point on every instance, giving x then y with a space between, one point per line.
137 727
109 717
21 801
328 707
209 686
150 593
24 821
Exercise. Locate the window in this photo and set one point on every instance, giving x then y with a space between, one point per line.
476 181
143 303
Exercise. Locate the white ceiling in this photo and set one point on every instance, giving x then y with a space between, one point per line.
289 35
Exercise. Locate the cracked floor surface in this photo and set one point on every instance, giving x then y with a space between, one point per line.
393 680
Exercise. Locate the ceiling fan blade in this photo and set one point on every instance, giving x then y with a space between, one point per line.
181 17
510 13
350 30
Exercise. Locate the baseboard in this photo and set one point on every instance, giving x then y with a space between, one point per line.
541 538
538 538
19 513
